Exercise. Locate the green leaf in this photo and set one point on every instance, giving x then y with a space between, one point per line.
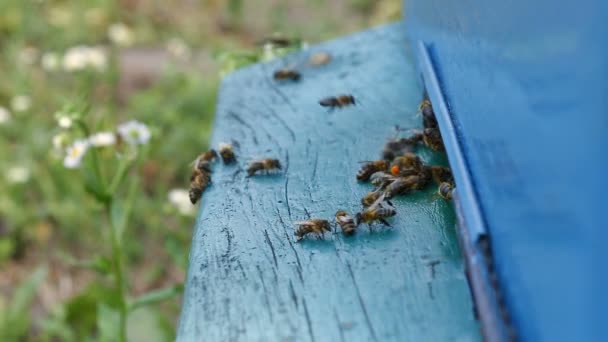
15 321
108 321
124 166
156 296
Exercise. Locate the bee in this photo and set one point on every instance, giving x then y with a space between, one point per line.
397 147
287 74
338 101
428 115
432 138
441 174
317 226
227 153
381 179
371 167
404 185
263 165
407 164
346 222
376 212
371 197
445 190
199 181
203 161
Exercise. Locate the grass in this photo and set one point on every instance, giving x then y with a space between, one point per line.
56 278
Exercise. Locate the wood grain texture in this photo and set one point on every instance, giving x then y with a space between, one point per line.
248 280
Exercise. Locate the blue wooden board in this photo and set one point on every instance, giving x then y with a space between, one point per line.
249 280
523 85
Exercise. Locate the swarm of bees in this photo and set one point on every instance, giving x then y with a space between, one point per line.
200 179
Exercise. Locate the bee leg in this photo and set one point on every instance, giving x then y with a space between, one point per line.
384 222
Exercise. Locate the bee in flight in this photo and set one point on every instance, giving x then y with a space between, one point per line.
370 167
445 190
376 212
338 101
346 222
316 226
227 153
199 181
263 165
287 74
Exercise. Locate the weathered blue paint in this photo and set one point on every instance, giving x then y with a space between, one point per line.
525 83
249 280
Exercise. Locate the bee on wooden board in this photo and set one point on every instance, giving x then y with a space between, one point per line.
263 165
406 165
381 179
441 174
445 190
287 74
338 101
346 222
428 115
227 153
371 197
376 212
432 139
199 181
404 185
203 161
397 147
370 167
316 226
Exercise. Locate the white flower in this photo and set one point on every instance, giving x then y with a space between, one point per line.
21 103
178 48
5 115
59 141
50 61
82 57
134 132
75 153
64 121
120 34
180 199
17 175
102 139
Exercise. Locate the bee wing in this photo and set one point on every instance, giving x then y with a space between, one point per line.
303 223
378 201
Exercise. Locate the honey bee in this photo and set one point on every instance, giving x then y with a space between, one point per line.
441 174
203 161
371 197
404 185
227 153
371 167
346 222
317 226
263 165
286 74
432 138
376 212
338 101
407 164
445 190
397 147
428 115
199 181
381 179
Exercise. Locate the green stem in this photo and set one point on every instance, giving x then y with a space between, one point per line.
117 261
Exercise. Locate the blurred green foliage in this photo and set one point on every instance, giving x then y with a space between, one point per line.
46 216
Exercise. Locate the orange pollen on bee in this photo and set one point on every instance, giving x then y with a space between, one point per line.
394 170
